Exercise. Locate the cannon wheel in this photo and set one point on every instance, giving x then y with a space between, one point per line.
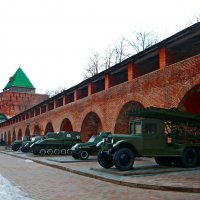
83 154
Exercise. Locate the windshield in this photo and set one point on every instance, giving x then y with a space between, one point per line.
92 139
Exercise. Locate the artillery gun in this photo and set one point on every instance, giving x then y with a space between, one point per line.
59 143
84 150
170 136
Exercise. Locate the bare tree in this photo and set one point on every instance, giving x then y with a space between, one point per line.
93 66
52 93
120 50
142 40
108 58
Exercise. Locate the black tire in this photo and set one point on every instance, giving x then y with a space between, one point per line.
35 152
50 151
124 159
42 152
189 158
198 161
105 160
15 148
83 154
75 155
164 161
63 152
56 151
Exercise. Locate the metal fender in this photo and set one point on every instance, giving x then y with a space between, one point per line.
118 143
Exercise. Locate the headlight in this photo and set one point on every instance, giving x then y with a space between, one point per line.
26 145
31 145
112 140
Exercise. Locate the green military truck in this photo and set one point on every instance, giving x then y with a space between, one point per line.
170 136
83 150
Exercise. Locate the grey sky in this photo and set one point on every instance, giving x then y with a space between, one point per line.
52 39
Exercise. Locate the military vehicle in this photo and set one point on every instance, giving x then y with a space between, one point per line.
18 143
26 144
2 142
170 136
58 144
83 150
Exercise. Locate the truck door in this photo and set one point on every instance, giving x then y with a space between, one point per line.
154 139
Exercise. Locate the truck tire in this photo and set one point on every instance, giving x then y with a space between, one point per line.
124 159
189 157
105 160
163 161
83 154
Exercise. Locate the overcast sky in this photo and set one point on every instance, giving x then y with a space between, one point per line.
52 39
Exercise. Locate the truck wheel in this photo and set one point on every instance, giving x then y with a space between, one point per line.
124 159
50 151
42 152
63 151
56 151
105 160
189 157
75 155
83 155
163 161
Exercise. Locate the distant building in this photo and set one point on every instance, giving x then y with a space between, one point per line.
19 95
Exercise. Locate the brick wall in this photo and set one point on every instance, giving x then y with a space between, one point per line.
105 110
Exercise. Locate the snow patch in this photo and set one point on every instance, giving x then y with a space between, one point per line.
28 161
10 192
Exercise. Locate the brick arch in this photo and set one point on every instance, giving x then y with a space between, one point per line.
5 137
13 136
191 101
9 138
49 128
27 132
36 130
66 125
122 121
91 125
19 135
186 87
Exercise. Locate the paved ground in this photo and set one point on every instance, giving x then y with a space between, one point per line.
44 182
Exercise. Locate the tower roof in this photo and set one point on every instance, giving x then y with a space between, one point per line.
2 117
19 79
